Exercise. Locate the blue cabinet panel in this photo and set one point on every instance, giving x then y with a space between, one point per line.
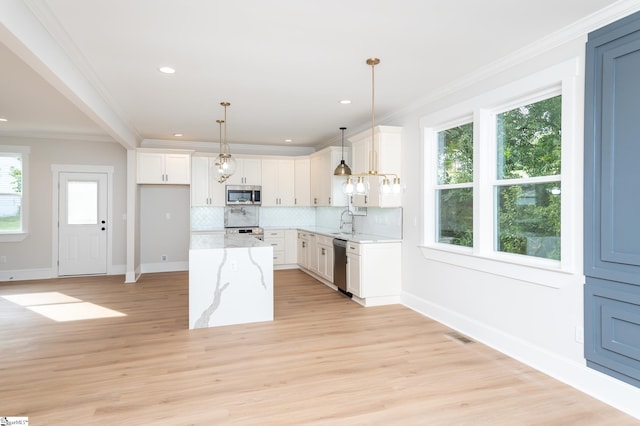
612 152
612 324
612 200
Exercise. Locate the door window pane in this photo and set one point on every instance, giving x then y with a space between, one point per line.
82 204
529 219
455 219
528 140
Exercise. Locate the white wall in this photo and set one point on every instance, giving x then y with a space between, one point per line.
32 257
531 322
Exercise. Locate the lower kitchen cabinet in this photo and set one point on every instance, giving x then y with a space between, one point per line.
374 272
303 250
284 243
324 251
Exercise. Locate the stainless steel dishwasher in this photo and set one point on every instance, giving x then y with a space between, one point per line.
340 265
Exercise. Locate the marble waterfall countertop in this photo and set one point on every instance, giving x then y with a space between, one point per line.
200 241
230 280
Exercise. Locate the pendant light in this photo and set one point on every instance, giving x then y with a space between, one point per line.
221 176
361 185
342 169
226 164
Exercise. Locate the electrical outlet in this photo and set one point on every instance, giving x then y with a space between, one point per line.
579 334
163 257
3 259
234 266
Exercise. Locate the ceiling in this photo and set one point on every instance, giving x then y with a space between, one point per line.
89 69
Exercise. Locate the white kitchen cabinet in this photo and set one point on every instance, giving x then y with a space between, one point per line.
284 243
374 272
302 181
387 142
312 253
248 172
290 246
163 167
324 251
326 189
303 249
205 188
275 238
278 179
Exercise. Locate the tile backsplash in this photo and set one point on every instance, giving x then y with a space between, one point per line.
378 221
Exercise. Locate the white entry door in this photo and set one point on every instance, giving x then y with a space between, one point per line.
82 228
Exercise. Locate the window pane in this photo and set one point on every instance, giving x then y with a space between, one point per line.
10 193
455 218
529 219
455 155
529 140
82 203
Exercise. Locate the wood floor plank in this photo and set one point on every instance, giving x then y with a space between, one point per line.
323 360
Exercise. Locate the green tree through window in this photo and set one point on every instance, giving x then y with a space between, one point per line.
529 146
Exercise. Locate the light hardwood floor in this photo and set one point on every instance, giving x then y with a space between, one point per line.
324 360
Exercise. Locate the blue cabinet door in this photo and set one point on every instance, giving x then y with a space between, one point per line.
612 200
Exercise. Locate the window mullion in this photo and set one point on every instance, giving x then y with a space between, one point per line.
484 165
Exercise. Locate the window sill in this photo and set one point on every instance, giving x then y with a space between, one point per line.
13 237
539 272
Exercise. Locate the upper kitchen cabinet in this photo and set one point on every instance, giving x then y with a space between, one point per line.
278 180
612 200
302 185
387 144
326 189
157 166
205 188
248 172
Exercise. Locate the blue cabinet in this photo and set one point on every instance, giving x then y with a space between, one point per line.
612 200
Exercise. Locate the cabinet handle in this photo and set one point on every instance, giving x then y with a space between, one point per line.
323 252
329 200
366 199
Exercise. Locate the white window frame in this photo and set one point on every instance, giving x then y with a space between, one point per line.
24 151
438 186
561 79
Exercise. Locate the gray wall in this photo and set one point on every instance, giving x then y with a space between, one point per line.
34 252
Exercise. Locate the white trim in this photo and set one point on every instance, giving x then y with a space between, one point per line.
56 169
147 268
561 78
616 393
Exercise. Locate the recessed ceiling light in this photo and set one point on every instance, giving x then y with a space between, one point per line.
288 140
345 102
167 70
3 119
177 135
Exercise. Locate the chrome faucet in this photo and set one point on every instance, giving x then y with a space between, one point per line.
343 222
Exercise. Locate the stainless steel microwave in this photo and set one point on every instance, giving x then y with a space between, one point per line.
243 194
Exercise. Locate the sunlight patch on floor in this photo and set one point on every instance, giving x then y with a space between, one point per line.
60 307
74 311
45 298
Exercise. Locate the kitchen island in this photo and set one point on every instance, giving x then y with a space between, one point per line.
230 280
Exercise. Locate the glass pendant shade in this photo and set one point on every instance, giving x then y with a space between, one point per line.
348 187
362 186
225 165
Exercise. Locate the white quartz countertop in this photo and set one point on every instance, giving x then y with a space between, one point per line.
356 238
212 241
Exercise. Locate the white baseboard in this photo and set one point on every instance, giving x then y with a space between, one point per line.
616 393
149 268
28 274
